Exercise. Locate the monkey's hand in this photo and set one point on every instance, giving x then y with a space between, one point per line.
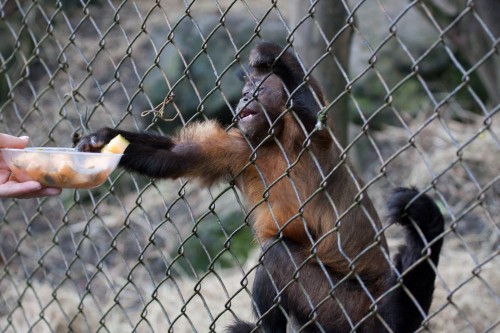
96 141
148 154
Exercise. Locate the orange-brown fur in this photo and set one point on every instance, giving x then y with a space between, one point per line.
280 184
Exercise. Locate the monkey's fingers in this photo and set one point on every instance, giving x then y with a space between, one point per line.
96 141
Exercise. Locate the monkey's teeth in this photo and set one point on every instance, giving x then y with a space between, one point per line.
246 114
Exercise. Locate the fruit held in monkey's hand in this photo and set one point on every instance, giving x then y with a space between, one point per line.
117 145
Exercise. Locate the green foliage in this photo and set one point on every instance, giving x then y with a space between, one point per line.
413 92
215 243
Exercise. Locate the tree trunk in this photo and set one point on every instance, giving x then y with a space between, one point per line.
474 35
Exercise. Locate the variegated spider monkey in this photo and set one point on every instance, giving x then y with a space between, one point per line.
325 263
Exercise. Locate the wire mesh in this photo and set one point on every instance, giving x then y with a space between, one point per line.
420 80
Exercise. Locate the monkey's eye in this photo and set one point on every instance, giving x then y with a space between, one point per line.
257 91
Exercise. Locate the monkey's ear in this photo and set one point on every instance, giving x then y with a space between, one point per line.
264 55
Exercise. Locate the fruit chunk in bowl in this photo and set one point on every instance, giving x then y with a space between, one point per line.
60 167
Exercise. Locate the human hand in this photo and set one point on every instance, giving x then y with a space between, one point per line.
11 187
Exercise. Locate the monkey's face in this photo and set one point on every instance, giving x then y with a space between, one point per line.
260 106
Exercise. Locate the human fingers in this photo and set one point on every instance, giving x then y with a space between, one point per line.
10 141
29 189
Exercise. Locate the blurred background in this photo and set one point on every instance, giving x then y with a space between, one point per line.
414 97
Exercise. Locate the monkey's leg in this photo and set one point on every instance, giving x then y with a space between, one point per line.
317 298
285 284
268 306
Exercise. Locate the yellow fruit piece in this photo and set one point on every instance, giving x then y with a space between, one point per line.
65 173
117 145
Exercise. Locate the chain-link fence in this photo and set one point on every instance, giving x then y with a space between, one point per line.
413 91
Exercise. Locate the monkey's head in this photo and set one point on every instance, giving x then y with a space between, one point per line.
262 101
275 82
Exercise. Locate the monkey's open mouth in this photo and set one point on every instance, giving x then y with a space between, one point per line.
247 113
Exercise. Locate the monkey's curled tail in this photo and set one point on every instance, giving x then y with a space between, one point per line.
406 307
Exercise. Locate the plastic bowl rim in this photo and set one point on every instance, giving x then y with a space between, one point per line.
53 150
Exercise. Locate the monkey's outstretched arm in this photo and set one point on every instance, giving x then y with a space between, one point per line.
202 150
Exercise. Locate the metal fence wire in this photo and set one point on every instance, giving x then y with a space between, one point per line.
413 91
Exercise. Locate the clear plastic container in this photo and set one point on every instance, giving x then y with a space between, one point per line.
60 167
